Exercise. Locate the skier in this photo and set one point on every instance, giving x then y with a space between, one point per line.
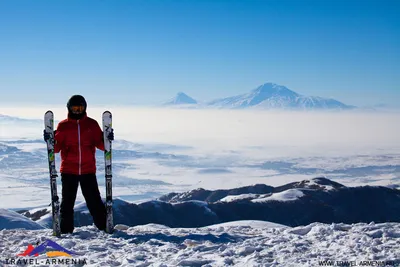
77 138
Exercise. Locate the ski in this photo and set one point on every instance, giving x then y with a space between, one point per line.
55 203
107 127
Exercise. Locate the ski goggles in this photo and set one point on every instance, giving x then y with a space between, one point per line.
77 109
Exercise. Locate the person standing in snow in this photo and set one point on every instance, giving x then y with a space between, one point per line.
77 138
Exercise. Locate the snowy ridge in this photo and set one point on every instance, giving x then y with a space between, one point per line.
319 183
303 203
250 192
213 196
288 195
231 198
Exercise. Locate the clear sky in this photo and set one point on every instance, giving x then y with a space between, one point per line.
144 52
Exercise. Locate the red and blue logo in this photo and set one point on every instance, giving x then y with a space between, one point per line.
55 250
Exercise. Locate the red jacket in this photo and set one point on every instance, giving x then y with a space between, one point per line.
77 140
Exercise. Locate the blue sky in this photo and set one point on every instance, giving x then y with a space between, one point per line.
146 51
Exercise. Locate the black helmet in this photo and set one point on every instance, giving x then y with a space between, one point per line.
76 100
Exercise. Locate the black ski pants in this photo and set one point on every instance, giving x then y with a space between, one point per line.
91 193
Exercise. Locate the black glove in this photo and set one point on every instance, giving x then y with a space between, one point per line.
110 135
47 136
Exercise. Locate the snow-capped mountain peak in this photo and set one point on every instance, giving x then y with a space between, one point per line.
266 96
271 89
274 96
181 99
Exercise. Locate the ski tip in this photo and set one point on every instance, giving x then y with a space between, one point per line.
49 111
107 114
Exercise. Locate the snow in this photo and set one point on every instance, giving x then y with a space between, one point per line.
232 198
326 187
246 224
243 243
287 195
13 220
274 96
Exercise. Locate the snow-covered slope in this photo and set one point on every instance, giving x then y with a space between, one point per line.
250 192
273 96
239 244
316 102
13 220
267 92
288 195
288 192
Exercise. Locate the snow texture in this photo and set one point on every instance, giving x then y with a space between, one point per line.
288 195
233 244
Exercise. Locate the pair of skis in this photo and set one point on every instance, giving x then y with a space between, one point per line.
55 203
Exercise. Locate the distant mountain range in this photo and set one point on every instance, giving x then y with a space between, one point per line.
266 96
12 119
293 204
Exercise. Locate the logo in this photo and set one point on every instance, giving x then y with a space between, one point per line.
56 255
58 251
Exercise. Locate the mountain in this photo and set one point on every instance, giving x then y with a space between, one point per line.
381 107
181 99
13 220
294 204
274 96
12 119
200 194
